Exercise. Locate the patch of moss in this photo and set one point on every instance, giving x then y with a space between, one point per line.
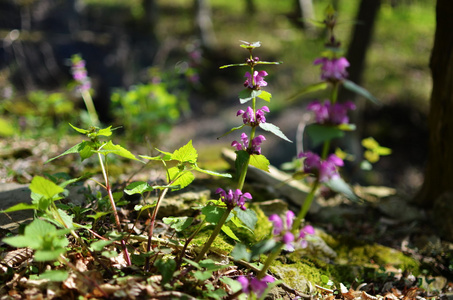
299 275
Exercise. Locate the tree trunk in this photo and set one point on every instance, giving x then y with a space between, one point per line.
305 14
204 26
439 169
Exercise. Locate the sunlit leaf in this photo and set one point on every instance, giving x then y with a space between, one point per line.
138 187
20 206
248 217
45 187
259 161
109 147
79 148
178 223
99 245
338 185
186 153
55 275
227 230
266 96
275 130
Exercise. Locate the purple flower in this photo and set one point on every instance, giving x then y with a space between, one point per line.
257 81
255 148
324 169
326 113
234 198
79 74
255 285
253 119
282 231
332 69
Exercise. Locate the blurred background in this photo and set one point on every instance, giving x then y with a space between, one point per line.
154 67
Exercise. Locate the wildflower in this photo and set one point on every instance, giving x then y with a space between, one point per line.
255 148
253 119
255 285
282 230
324 169
79 74
257 81
333 69
234 198
326 113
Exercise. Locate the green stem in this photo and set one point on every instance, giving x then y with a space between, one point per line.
274 254
86 96
214 234
305 207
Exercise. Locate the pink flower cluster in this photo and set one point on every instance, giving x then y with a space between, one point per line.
80 75
282 230
234 198
255 148
332 69
256 81
255 285
253 119
327 113
325 170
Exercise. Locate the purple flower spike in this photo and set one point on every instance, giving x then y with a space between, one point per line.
333 69
257 81
277 222
325 169
234 198
255 285
253 119
327 113
80 74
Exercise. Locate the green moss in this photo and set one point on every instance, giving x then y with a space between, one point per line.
299 275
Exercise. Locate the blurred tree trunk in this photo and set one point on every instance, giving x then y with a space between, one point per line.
304 14
250 7
439 169
203 22
356 55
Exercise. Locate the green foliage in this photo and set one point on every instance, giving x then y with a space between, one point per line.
43 237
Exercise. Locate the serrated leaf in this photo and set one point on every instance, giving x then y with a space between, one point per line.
186 153
178 223
109 147
338 185
321 133
275 130
105 131
248 217
179 178
310 89
74 149
138 187
259 161
360 91
67 219
45 187
99 245
248 94
227 230
266 96
20 206
55 275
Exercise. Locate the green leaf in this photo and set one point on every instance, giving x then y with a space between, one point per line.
240 253
186 153
213 213
6 128
266 96
242 158
20 206
310 89
99 245
138 187
321 133
360 90
248 94
178 223
55 275
45 187
48 255
233 65
259 161
105 131
262 247
67 219
233 129
227 230
80 147
196 168
179 178
99 214
248 217
166 268
275 130
80 130
109 147
338 185
202 275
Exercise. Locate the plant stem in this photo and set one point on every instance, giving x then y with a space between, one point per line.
214 234
151 225
274 254
86 96
115 212
305 207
